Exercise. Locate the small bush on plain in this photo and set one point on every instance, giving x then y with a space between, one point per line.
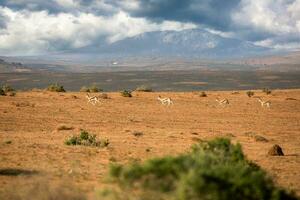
90 89
267 91
215 169
250 93
126 93
144 88
86 139
7 88
202 94
56 88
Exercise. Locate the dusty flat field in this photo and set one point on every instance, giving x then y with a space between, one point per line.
29 139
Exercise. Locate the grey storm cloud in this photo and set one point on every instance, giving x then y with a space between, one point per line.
211 13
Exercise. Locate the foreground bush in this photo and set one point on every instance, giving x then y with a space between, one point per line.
86 139
126 93
143 88
214 170
56 88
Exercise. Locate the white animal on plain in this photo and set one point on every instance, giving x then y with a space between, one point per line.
165 101
92 99
222 102
264 103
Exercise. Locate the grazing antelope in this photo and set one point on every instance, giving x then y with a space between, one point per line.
264 103
222 102
92 99
165 101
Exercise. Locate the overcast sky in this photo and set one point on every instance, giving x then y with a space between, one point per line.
29 27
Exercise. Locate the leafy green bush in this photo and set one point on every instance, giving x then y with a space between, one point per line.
56 88
267 91
144 88
215 170
126 93
250 93
86 139
90 89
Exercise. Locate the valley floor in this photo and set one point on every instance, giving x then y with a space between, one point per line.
29 139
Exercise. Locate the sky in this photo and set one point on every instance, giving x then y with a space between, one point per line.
32 27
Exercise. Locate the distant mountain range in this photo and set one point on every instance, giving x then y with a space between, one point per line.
192 43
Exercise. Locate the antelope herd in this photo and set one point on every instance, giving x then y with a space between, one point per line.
168 101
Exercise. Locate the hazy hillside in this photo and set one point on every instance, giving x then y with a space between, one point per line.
6 67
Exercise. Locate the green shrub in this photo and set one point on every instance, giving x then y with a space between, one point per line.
126 93
144 88
2 93
7 88
202 94
250 93
56 88
215 170
267 90
86 139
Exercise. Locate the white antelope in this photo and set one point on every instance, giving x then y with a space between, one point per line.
264 103
222 102
92 99
165 101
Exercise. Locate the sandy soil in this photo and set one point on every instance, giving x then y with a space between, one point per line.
29 139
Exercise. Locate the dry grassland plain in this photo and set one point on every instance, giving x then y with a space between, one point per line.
32 144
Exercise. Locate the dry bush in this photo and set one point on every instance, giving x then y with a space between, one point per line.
64 128
250 93
86 139
144 88
266 90
103 96
56 88
202 94
90 89
126 93
23 104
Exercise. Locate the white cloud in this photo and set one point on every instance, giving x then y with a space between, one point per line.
38 32
279 18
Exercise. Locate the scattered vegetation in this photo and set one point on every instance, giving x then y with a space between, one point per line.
2 93
144 88
64 128
260 138
137 133
103 96
202 94
90 89
256 137
126 93
56 88
250 93
86 139
23 104
215 170
7 88
267 90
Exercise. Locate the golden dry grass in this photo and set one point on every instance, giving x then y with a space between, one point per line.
37 145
